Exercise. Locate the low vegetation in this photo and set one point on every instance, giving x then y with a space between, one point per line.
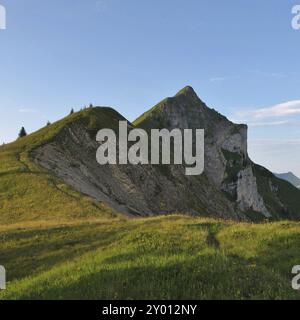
169 257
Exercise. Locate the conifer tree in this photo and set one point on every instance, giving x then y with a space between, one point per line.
22 133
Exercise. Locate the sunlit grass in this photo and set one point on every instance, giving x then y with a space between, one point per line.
170 257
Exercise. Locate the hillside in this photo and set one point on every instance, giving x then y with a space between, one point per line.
171 257
29 192
53 173
290 177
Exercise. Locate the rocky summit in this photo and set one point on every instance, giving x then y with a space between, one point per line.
231 187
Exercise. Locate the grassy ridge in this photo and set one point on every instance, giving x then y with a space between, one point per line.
28 192
170 257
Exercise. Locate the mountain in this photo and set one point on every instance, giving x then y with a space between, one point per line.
136 190
252 190
54 171
290 177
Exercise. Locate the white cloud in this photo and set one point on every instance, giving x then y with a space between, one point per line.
282 114
279 110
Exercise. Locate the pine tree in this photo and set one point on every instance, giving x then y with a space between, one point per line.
48 123
72 111
91 105
22 133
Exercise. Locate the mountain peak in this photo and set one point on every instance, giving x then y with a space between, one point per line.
187 91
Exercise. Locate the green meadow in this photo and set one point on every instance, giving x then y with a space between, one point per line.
167 257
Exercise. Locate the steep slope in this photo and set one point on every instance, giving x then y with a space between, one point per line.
290 177
254 191
281 198
138 190
53 174
29 192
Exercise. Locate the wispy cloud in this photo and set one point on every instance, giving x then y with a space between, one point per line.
215 79
26 110
282 114
254 73
101 5
274 142
274 123
223 78
279 110
275 75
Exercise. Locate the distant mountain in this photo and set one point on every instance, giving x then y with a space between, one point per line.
290 177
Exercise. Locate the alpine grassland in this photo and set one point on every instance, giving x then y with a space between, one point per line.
166 257
57 243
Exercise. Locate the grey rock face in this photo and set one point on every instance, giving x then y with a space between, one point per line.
227 164
138 190
248 197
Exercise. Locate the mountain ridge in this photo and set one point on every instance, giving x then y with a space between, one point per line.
232 187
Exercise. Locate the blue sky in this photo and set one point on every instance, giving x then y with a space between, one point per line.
241 57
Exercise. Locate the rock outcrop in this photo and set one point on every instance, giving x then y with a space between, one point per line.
232 186
227 164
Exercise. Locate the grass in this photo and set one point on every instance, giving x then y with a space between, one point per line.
169 257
